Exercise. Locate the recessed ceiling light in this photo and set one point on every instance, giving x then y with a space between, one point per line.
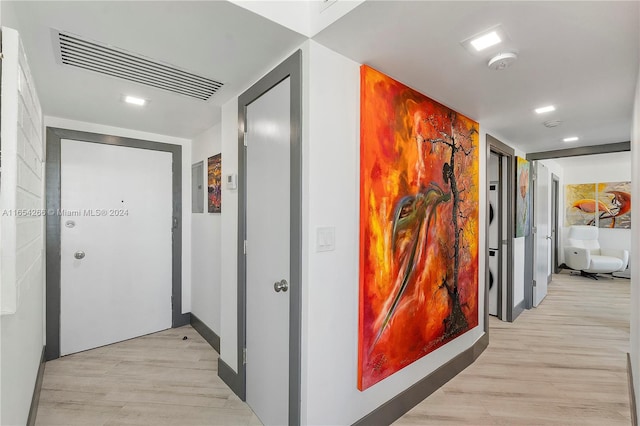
547 108
486 40
482 42
135 101
570 139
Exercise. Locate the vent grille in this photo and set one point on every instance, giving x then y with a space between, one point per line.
92 56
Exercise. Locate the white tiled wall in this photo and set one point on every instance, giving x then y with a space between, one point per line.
22 184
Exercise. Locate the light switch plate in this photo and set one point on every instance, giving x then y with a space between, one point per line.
325 239
232 181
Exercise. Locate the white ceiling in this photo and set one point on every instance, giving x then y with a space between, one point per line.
215 39
581 56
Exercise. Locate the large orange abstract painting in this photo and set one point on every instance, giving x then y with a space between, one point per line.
418 226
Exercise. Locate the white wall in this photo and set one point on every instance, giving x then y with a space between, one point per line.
635 247
229 231
307 17
555 168
229 239
325 13
206 240
330 279
22 237
294 15
186 183
330 291
614 167
519 248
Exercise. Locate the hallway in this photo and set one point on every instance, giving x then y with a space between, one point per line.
563 363
560 364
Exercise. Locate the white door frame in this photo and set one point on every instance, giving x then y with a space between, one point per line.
54 137
291 68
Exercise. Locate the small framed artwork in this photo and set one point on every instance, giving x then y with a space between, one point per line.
214 183
523 198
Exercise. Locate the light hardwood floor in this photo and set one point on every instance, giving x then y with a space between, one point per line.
563 363
159 379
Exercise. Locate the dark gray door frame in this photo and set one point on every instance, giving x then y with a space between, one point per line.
498 281
53 191
291 68
506 154
555 211
530 241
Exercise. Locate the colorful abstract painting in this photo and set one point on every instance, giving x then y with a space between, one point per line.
523 198
616 197
581 204
418 226
214 183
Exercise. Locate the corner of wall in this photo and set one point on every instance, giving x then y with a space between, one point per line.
635 247
332 97
23 243
229 238
206 244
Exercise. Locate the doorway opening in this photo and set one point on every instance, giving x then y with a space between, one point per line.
500 225
555 213
55 218
279 93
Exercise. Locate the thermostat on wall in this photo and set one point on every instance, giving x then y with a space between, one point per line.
232 181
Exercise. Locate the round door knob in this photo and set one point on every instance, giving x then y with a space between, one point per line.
281 286
79 255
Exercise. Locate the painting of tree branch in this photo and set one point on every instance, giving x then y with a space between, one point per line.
418 226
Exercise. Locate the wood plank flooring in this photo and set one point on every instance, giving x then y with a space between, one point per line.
159 379
563 363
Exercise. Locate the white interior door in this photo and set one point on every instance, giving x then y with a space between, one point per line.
268 254
115 231
543 229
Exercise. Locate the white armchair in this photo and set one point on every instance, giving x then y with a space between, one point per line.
584 254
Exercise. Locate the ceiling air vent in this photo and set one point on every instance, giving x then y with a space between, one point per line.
90 55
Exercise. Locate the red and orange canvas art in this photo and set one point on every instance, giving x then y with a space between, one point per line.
214 183
418 226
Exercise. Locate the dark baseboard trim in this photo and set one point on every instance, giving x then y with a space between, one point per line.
396 407
231 378
35 400
207 334
183 319
517 310
632 393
